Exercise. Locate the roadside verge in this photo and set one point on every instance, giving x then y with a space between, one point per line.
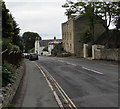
9 91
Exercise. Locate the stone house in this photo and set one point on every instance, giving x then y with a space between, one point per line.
72 30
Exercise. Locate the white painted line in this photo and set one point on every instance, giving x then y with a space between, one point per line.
63 92
64 95
71 64
61 61
92 70
67 62
54 93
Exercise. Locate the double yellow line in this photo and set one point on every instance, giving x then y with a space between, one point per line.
50 79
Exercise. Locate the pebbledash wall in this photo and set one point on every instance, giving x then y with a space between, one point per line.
99 52
10 90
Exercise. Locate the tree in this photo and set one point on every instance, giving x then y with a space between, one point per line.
101 12
29 40
117 20
10 29
105 10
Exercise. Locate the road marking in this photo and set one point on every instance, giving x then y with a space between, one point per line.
49 84
67 62
92 70
64 95
71 64
61 61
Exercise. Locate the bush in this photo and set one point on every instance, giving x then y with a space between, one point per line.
32 50
58 49
15 48
45 49
6 44
8 74
64 54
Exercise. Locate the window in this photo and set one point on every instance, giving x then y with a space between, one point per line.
70 46
70 36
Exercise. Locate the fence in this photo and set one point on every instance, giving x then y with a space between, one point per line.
12 57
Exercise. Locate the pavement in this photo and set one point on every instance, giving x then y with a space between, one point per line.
34 90
87 83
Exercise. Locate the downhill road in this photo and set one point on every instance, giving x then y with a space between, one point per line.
87 83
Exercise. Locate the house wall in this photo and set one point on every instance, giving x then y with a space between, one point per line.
73 29
37 46
68 36
50 48
80 25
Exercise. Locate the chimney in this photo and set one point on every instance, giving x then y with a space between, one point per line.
71 16
54 38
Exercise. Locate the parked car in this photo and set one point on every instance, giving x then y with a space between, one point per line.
33 56
26 55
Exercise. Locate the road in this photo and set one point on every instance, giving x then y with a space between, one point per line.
33 91
87 83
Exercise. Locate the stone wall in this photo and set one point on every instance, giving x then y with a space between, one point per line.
110 54
99 52
10 90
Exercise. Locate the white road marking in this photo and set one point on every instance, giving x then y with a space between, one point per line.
67 62
61 61
59 89
93 70
54 93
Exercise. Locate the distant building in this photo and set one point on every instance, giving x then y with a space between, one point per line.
41 44
72 31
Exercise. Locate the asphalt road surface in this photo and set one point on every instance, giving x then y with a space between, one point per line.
87 83
33 91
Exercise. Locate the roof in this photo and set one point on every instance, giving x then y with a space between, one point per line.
45 42
81 17
111 40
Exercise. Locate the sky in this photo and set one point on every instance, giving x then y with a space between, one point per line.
42 16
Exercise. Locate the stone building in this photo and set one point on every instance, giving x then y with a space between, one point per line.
72 31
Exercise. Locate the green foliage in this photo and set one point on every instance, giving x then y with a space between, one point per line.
86 36
64 54
6 44
15 48
58 49
10 28
11 41
10 106
10 31
8 73
29 40
32 50
45 49
105 10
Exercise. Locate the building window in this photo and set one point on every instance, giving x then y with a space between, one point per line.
70 46
65 35
70 36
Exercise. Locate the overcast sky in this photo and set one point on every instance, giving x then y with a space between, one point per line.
41 16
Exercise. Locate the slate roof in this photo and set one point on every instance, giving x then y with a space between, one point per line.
45 42
112 40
